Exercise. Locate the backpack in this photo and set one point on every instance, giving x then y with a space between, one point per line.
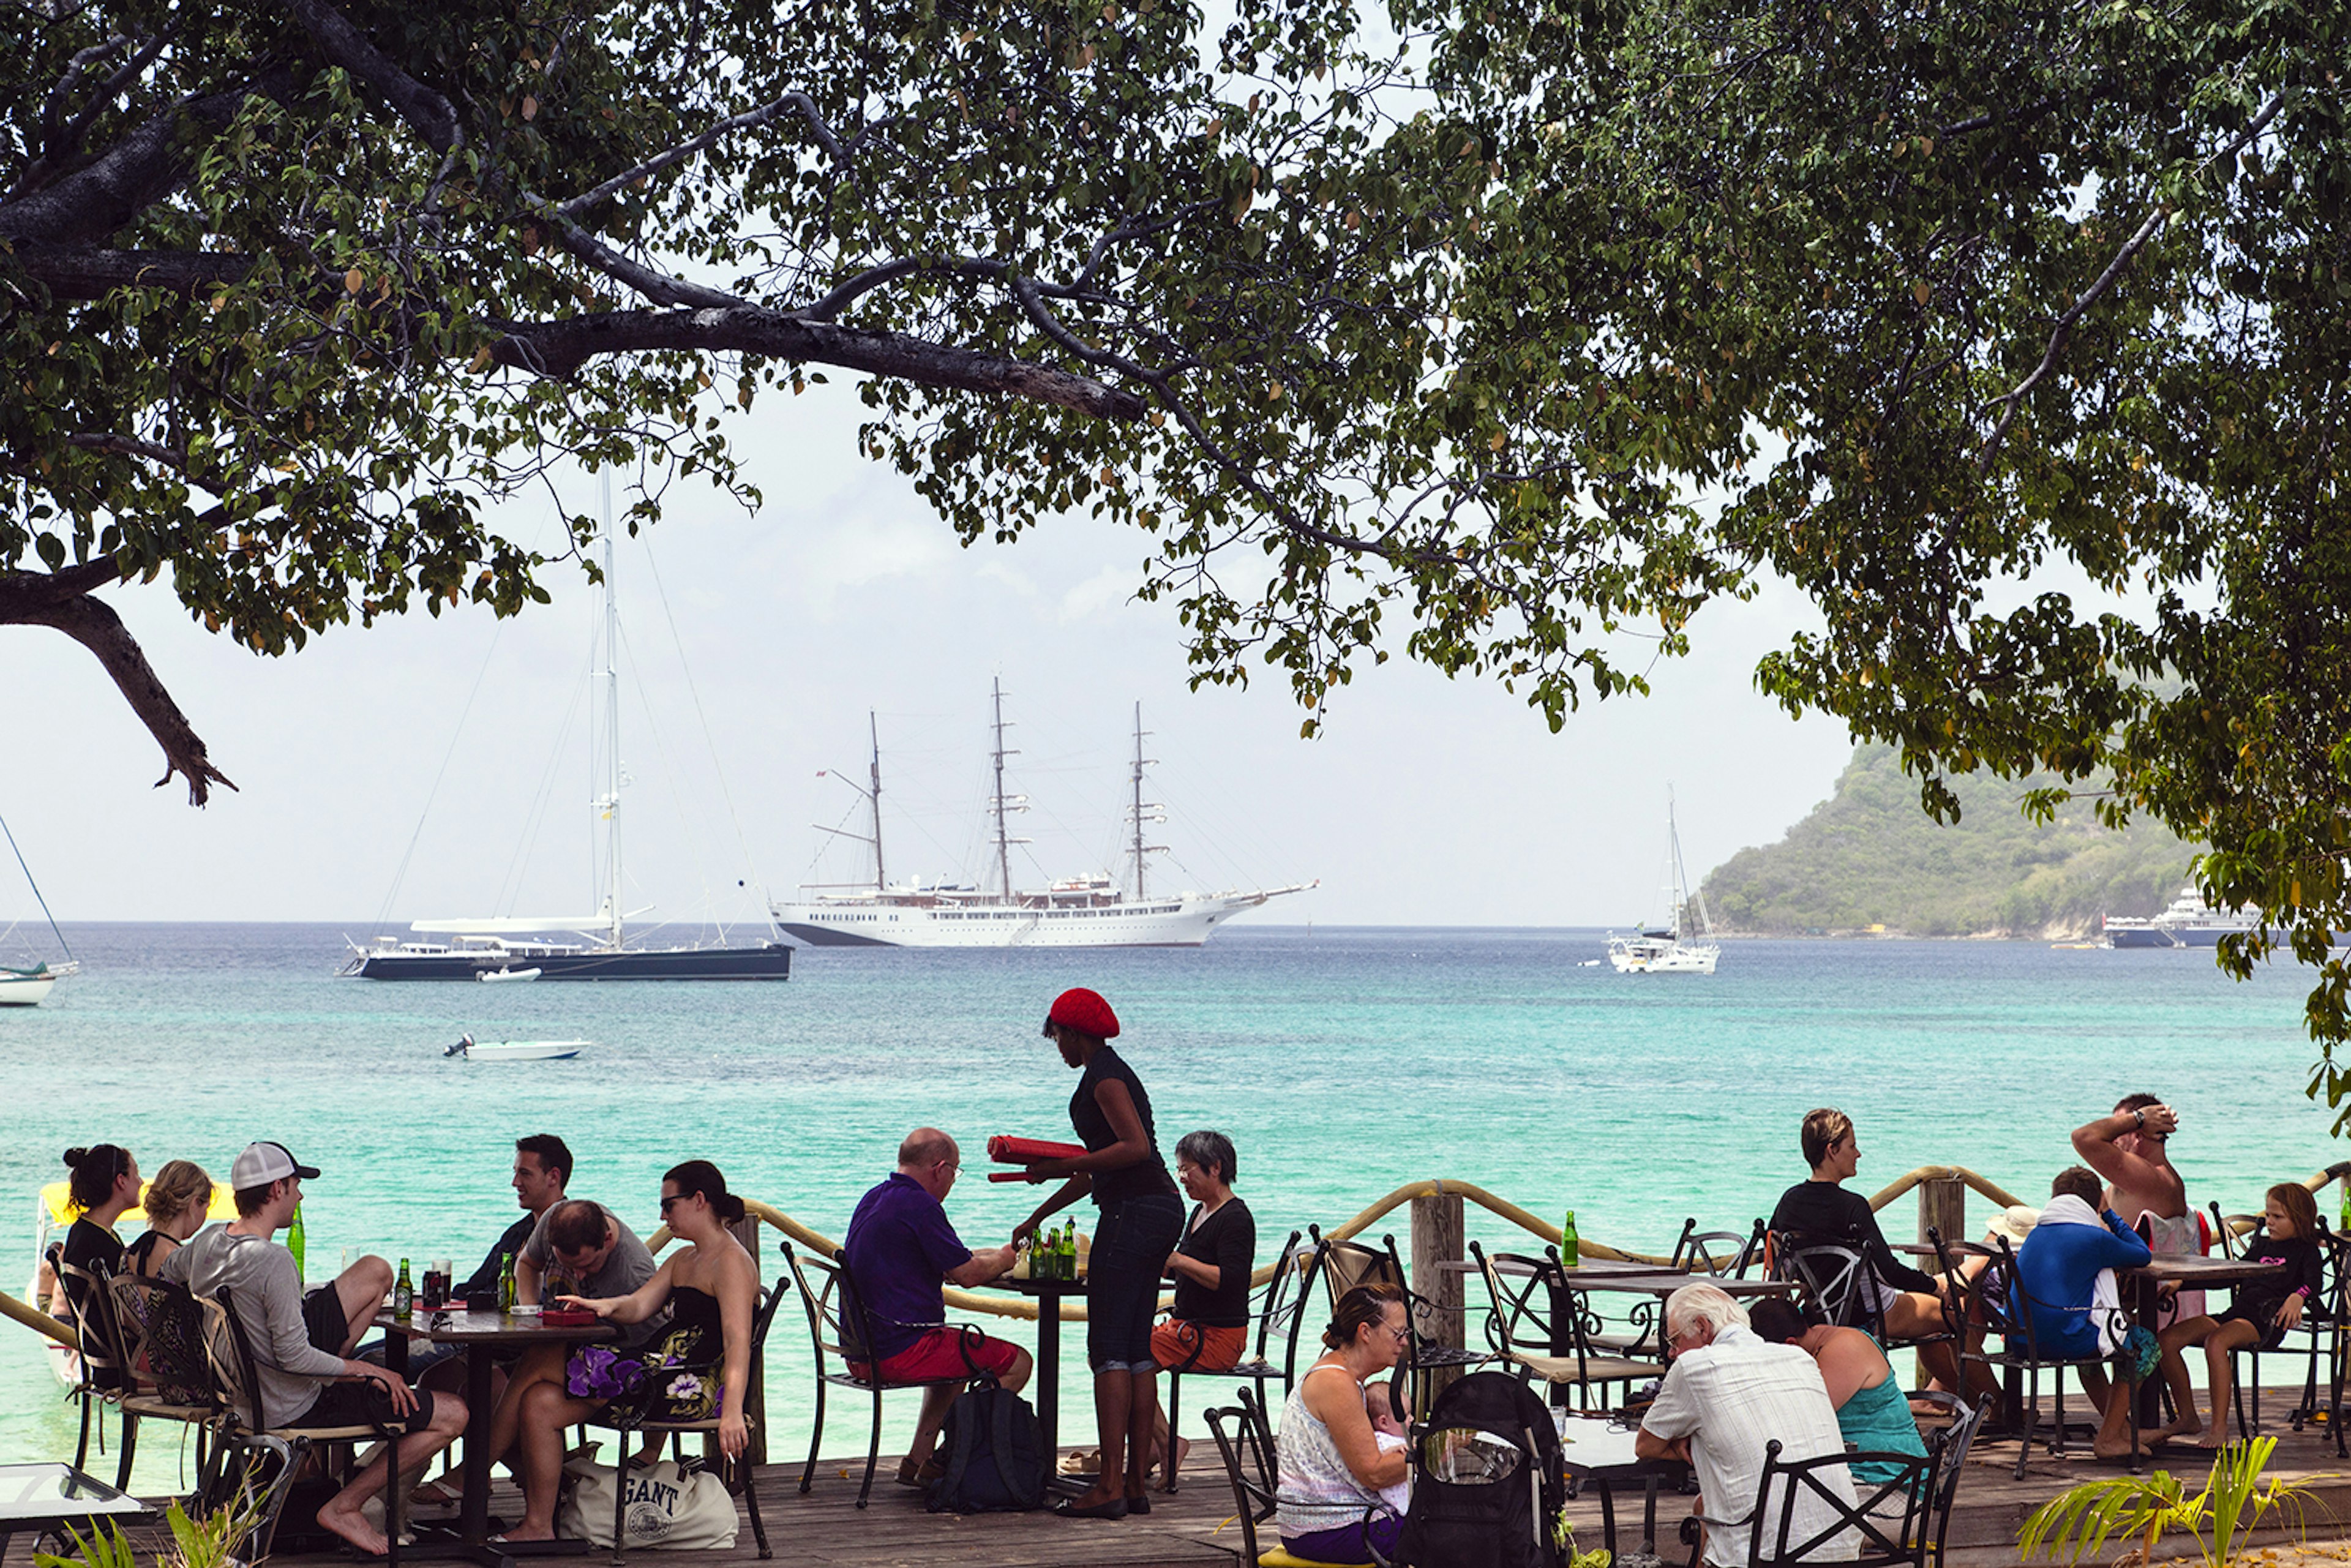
993 1453
1487 1483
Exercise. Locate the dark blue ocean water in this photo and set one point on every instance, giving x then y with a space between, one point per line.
1344 1062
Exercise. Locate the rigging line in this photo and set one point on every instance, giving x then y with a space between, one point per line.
509 892
692 690
36 890
675 792
400 873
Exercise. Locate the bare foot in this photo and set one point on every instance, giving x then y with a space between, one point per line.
346 1521
529 1532
432 1494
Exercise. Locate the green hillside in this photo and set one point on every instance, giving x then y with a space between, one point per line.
1869 856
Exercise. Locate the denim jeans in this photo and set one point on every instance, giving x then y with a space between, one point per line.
1132 1241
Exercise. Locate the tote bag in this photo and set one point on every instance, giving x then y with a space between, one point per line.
687 1510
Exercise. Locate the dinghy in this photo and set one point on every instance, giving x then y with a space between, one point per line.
516 1050
491 977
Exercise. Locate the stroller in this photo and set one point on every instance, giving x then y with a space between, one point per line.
1487 1483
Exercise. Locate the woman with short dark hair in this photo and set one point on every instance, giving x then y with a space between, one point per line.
1207 1325
1332 1465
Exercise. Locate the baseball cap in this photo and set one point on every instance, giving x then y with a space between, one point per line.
263 1163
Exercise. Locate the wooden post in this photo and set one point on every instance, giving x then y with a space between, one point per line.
1942 1205
1438 1237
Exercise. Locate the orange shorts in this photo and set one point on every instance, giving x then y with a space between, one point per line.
1172 1343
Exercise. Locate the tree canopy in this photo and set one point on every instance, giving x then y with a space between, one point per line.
1492 333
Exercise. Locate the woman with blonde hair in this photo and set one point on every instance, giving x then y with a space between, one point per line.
177 1201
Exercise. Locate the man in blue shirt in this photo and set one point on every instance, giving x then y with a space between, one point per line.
2066 1280
903 1254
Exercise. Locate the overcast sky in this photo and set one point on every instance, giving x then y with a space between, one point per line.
1426 801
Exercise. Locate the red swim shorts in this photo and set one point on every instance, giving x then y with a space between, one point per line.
938 1356
1220 1349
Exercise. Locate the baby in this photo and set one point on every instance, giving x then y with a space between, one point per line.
1388 1433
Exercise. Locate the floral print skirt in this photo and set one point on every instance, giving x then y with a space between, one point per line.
686 1386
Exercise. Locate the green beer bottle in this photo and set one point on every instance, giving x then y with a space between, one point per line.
294 1240
505 1282
1569 1250
404 1295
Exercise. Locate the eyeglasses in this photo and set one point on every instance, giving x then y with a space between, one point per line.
675 1197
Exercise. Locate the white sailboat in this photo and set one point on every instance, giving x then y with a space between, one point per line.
1088 911
517 947
1665 952
27 985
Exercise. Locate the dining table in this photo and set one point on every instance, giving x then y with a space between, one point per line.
483 1337
1597 1451
1049 1295
49 1497
2143 1290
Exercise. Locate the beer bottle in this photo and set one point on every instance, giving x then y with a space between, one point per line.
294 1240
505 1282
1068 1250
1569 1249
404 1295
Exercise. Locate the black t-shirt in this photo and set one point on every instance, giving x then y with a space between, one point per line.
1147 1175
1226 1242
96 1249
2257 1302
1823 1213
485 1278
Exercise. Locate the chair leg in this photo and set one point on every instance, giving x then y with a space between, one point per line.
81 1448
620 1498
2032 1418
2245 1429
751 1505
872 1450
395 1493
1175 1382
129 1447
816 1436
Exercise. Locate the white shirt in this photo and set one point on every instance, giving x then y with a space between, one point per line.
1731 1398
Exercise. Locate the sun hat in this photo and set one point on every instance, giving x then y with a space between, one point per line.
1085 1011
2015 1222
263 1163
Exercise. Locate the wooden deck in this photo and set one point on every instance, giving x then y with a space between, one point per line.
1194 1528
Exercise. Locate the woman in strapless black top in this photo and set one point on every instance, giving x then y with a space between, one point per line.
700 1367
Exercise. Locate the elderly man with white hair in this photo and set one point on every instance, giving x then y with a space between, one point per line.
1726 1395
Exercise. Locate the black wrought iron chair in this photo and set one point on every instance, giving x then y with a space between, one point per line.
1539 1325
1280 1310
634 1413
2322 1319
1888 1522
1245 1441
1839 1284
244 1425
2009 1319
840 1327
160 1330
1718 1252
1341 1265
105 1374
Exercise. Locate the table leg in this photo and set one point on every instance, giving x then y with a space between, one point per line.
1649 1520
473 1509
2147 1398
1608 1518
395 1353
1048 1376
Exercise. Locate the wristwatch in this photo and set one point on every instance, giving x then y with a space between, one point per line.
2138 1117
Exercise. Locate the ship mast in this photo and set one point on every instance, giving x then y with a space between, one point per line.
880 882
1143 810
609 805
1003 843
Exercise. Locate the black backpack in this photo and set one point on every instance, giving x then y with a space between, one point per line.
993 1453
1487 1483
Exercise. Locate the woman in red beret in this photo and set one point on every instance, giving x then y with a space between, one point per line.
1141 1220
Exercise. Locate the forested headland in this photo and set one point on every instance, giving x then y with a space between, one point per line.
1868 856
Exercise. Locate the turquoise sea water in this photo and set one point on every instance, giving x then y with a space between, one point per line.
1343 1063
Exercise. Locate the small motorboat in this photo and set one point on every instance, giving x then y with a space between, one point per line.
490 977
516 1050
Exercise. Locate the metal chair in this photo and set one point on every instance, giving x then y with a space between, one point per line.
2013 1320
2323 1316
632 1414
161 1331
104 1370
1718 1252
229 1353
840 1327
1539 1325
1840 1284
1245 1441
1281 1310
1342 1265
1888 1522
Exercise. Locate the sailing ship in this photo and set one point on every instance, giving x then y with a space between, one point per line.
1088 911
2188 922
29 986
1665 952
517 946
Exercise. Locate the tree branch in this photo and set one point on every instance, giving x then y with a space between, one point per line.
560 348
429 113
82 272
790 102
61 600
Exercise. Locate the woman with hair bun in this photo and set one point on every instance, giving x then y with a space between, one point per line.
1332 1465
710 1291
176 1203
102 1187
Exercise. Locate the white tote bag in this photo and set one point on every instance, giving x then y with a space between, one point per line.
667 1509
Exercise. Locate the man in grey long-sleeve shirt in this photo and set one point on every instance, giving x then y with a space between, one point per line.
301 1346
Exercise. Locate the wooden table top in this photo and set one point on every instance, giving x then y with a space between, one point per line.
2188 1269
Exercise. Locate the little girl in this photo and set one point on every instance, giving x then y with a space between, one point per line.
2260 1313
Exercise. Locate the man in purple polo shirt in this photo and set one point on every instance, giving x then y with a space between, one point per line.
902 1255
